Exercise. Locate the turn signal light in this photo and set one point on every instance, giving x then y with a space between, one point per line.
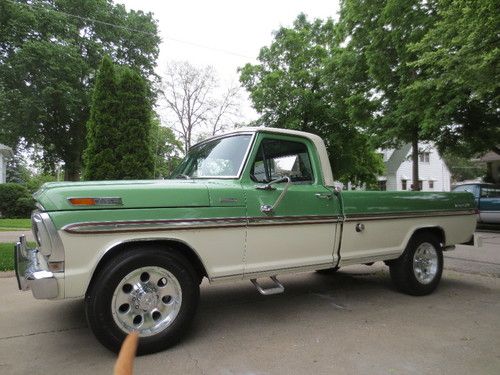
82 201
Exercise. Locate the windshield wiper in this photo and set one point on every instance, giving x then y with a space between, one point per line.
184 176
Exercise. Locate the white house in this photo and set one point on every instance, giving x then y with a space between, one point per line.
433 173
5 154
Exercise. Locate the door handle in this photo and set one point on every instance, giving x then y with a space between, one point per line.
323 195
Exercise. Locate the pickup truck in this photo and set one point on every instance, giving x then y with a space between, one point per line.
487 198
248 205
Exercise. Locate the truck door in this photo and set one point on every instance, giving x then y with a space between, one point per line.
292 217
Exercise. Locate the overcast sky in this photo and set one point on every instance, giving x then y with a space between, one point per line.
234 31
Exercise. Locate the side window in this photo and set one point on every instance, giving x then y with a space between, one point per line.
277 158
487 192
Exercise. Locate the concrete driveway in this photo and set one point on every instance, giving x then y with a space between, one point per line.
349 323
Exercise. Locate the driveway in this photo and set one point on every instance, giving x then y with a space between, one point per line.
349 323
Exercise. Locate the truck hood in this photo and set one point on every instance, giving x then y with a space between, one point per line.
134 194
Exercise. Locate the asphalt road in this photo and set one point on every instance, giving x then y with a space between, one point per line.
353 322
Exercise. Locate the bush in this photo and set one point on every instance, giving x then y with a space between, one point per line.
15 201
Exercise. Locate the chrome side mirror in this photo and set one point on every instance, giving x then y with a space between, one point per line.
266 208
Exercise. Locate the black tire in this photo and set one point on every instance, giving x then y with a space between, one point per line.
99 297
404 270
328 271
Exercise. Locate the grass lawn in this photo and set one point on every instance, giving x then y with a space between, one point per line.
7 255
15 224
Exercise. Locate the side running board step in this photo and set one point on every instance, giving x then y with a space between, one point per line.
276 289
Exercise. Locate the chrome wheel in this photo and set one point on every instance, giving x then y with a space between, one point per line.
425 263
147 301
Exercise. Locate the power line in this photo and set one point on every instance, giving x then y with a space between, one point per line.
193 44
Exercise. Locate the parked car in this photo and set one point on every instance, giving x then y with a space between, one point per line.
487 197
250 204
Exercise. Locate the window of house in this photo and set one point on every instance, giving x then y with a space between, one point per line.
382 185
278 158
424 157
403 184
431 184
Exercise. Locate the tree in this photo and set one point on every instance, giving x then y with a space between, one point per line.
459 86
296 85
380 33
134 127
119 128
101 160
192 101
49 54
166 149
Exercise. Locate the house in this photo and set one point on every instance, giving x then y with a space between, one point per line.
5 154
434 175
492 160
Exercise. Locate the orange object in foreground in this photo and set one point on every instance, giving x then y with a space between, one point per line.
125 362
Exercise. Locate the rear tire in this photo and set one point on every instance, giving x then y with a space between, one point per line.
418 271
148 290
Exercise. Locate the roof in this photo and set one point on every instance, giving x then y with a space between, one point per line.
6 151
490 156
316 140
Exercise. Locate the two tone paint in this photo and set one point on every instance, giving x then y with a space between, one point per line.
221 221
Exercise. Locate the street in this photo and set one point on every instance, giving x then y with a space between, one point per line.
352 322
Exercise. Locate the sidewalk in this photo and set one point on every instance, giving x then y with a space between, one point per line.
13 236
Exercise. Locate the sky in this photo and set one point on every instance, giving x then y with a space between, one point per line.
226 34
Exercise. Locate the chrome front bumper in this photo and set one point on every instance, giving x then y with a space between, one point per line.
32 272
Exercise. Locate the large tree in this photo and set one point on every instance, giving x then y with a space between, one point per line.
296 85
134 127
194 101
49 53
119 129
379 35
459 84
103 136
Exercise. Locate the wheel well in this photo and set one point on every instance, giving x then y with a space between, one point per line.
176 247
436 231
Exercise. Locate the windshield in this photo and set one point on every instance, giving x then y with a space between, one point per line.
221 157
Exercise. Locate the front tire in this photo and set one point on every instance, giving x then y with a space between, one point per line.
418 271
148 290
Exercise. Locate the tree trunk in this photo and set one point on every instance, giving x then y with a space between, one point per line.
414 159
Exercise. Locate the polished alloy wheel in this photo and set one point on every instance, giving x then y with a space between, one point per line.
425 263
147 301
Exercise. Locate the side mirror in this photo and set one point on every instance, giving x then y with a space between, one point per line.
268 209
269 186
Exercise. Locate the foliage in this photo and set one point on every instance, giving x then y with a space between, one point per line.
134 127
17 171
119 128
36 181
49 53
193 102
166 149
101 160
462 168
15 201
459 86
301 83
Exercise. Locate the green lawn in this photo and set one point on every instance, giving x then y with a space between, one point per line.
7 255
15 224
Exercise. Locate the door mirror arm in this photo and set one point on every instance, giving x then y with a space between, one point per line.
268 209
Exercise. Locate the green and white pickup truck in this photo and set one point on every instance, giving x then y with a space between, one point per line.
254 203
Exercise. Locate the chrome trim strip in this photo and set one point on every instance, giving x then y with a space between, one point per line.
186 224
48 239
405 215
